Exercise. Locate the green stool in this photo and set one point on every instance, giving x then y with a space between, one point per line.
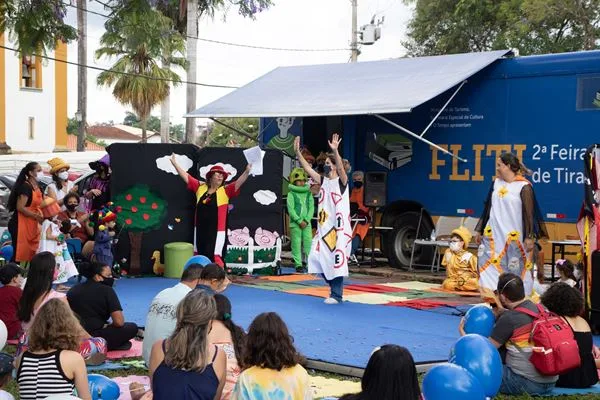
176 255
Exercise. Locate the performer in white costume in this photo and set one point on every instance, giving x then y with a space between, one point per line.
509 226
331 246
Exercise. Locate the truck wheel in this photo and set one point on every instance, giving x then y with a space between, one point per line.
399 242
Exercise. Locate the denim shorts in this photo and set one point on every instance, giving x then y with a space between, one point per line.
513 383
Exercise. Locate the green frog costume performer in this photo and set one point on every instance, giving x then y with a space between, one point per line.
301 207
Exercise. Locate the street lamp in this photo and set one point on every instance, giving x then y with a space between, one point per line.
78 116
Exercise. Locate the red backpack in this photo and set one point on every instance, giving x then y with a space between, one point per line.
555 349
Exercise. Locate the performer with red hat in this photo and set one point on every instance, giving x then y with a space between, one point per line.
212 203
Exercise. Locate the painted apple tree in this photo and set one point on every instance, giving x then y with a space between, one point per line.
141 210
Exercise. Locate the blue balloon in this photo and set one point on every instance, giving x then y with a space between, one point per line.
7 252
199 259
479 319
451 382
478 355
103 388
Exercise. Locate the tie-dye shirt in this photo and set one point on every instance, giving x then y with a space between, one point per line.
257 383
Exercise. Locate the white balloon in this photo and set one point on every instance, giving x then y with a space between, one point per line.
3 335
62 397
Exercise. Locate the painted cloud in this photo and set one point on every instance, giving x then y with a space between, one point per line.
227 167
265 197
164 163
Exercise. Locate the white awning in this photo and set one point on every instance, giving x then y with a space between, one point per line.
375 87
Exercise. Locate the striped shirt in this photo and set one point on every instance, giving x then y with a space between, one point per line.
41 375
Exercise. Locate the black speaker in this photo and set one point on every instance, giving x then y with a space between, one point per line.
375 189
595 292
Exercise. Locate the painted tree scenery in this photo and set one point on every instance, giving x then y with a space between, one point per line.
141 211
531 26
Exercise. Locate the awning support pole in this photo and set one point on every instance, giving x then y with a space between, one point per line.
419 137
443 108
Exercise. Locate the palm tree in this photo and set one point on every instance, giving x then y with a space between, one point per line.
137 36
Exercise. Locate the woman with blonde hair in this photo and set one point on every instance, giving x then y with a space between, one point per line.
52 365
186 357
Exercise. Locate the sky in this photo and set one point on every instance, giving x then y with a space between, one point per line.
305 24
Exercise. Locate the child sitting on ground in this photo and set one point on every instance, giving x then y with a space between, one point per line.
461 265
11 276
6 368
566 270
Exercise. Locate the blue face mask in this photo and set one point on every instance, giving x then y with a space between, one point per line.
326 170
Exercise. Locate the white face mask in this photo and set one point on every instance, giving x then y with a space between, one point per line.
455 246
40 175
577 274
63 175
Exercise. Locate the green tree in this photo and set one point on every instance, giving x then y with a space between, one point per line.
131 119
221 136
35 25
72 126
531 26
177 132
141 210
136 35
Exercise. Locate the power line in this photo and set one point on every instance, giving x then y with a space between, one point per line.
123 73
250 46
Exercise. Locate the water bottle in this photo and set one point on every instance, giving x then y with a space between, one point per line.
432 237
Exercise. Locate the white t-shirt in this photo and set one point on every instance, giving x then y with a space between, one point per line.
60 194
162 317
6 396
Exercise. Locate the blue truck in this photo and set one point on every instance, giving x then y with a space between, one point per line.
440 151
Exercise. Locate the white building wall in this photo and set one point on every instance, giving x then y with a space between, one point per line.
21 104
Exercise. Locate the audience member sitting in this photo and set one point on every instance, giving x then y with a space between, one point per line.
461 265
390 374
52 365
272 363
186 357
80 228
512 333
95 301
566 270
231 339
38 290
11 277
567 302
6 369
162 315
213 279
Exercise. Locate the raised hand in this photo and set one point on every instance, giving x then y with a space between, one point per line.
335 141
297 144
173 159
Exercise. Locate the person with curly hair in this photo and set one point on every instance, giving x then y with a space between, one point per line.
52 365
273 365
567 302
390 374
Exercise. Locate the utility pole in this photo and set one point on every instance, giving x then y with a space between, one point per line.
354 37
81 73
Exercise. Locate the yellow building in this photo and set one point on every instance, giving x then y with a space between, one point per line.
33 100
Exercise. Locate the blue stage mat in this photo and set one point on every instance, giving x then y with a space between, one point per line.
343 334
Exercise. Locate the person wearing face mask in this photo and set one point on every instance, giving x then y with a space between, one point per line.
95 302
11 277
80 228
331 246
53 240
212 202
358 211
461 266
25 203
61 184
98 191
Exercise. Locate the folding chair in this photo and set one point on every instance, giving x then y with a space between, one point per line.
443 229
